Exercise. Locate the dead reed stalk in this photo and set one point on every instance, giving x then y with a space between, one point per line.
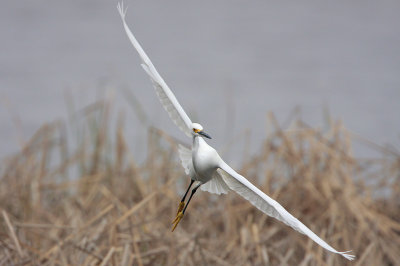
96 205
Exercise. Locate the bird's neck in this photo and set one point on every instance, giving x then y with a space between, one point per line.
198 141
195 141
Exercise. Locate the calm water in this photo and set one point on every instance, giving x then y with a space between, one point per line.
223 59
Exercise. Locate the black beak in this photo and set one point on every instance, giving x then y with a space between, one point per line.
204 134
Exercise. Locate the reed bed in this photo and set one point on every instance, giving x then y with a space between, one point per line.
97 205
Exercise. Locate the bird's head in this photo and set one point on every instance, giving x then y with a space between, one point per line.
197 130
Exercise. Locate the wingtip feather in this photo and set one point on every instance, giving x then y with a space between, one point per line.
348 256
121 9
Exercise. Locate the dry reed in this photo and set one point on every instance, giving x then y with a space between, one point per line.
95 205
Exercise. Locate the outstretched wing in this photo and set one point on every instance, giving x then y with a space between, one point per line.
167 98
259 199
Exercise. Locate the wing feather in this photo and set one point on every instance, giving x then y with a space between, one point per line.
216 185
167 98
271 207
186 158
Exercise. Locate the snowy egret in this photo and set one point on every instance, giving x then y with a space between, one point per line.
203 164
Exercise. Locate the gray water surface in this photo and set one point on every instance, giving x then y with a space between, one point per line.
223 59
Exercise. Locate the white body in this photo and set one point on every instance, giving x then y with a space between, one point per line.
202 163
205 160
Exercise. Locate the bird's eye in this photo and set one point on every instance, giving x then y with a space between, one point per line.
196 130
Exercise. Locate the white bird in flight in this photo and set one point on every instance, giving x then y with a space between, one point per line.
203 164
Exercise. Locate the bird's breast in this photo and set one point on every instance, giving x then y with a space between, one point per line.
205 162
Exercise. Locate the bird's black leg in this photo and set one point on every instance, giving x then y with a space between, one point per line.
182 203
191 195
190 185
181 212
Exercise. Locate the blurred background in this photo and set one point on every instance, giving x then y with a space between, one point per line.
301 98
228 62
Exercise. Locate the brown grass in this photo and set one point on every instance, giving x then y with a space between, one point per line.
95 205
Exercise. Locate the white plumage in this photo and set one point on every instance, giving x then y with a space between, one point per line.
202 163
167 98
261 201
216 185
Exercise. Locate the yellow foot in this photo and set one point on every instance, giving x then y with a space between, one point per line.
180 207
178 218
